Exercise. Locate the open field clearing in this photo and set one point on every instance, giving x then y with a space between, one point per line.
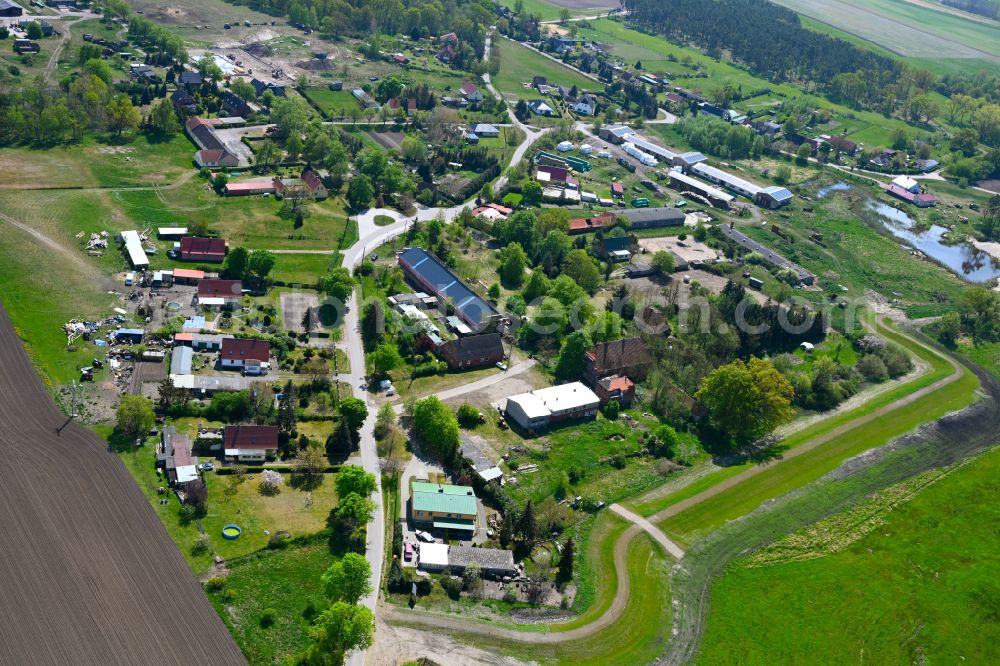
551 9
92 164
91 575
906 28
518 64
921 586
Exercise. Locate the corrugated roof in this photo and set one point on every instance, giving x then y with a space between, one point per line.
443 498
445 284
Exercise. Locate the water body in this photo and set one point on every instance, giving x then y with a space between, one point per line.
963 259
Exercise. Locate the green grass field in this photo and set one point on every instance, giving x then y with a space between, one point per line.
518 64
285 581
783 476
549 11
920 587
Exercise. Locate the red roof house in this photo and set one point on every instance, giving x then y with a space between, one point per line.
582 225
212 250
240 352
244 443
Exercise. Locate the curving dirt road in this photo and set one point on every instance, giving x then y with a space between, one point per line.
90 574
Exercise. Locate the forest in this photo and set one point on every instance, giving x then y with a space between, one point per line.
990 8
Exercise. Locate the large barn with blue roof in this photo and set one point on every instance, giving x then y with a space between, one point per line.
432 276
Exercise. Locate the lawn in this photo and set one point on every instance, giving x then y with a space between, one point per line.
518 64
786 475
332 102
303 268
920 587
298 512
285 581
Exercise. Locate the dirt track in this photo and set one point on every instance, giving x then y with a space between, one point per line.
89 573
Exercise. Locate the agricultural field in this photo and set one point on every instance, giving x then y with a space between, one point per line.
921 585
518 64
550 10
909 29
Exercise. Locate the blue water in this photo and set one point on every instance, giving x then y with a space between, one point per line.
963 259
836 187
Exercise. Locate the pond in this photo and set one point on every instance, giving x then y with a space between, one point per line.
963 259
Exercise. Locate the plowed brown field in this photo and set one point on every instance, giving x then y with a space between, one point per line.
88 575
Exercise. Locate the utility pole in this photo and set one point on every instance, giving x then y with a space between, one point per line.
72 410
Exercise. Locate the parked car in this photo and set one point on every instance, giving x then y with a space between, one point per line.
408 552
206 467
502 366
424 536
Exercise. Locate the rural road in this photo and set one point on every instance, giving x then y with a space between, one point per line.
479 384
650 529
90 574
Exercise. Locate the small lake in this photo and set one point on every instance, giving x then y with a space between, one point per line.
963 259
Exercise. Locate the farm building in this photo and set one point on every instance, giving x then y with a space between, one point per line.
453 509
769 197
180 360
432 276
649 218
171 232
10 9
659 152
492 562
620 357
188 276
220 293
687 160
130 336
709 193
250 443
211 250
251 187
906 183
918 199
133 248
619 248
174 457
538 409
244 353
769 255
205 385
213 152
472 351
582 225
617 134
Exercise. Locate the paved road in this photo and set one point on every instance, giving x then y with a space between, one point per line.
90 575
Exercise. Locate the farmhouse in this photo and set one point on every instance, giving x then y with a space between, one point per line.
472 351
220 293
211 250
906 183
250 443
620 357
430 275
619 389
918 199
174 457
649 218
213 151
244 353
486 130
470 92
544 407
453 509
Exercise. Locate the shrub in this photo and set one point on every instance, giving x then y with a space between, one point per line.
267 617
200 546
452 586
468 416
215 584
873 368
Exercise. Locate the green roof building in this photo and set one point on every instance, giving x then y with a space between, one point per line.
445 507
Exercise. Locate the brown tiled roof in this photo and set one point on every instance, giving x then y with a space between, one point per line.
619 354
616 383
194 244
220 288
245 349
250 437
475 346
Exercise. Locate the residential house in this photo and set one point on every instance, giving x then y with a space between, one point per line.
250 443
470 92
767 128
486 131
190 79
276 88
541 108
926 166
918 199
583 108
184 101
210 250
618 248
10 9
906 183
220 293
143 73
245 354
451 509
235 105
314 184
400 59
628 357
843 145
174 457
619 389
472 351
446 54
213 151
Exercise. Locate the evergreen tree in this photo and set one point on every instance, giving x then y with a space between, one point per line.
565 573
527 527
